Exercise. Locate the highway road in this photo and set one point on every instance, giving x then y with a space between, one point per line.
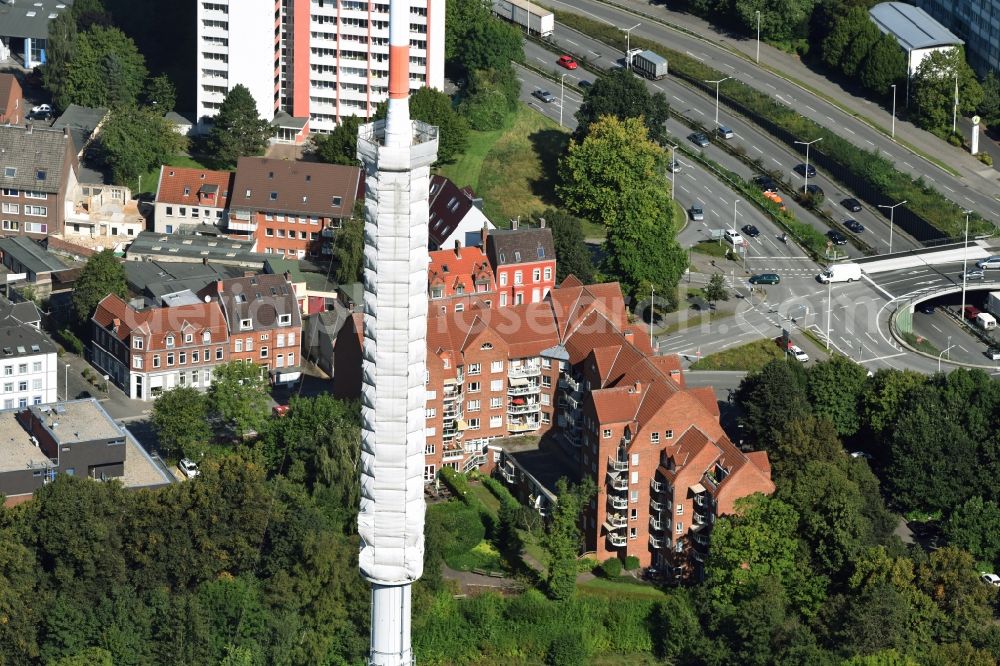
973 191
773 155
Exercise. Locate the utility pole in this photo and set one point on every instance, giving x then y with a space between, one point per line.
652 313
829 310
893 111
628 43
805 184
562 97
892 216
717 83
965 259
954 112
758 36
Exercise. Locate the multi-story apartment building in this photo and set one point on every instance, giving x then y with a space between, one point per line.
524 263
190 197
37 169
975 21
317 60
28 366
291 208
456 279
12 102
265 326
146 352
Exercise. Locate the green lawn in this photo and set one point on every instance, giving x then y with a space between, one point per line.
749 357
147 182
483 494
483 556
626 587
512 169
710 248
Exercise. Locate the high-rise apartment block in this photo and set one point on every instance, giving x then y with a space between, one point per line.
315 60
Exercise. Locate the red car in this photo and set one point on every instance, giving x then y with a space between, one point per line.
567 62
971 311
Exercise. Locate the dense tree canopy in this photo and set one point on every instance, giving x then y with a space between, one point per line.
180 418
341 145
570 245
238 395
238 130
780 20
136 139
102 275
933 89
105 69
623 95
349 250
435 108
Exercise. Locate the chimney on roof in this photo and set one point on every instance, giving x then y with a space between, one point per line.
458 248
27 128
638 387
483 234
117 322
541 223
288 276
629 335
65 132
249 273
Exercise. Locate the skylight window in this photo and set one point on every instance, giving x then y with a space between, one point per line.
41 174
9 172
274 196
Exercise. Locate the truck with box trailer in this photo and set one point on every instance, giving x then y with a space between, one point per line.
536 20
647 63
840 273
993 303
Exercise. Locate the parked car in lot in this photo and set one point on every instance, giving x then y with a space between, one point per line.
797 352
696 213
765 278
41 108
993 353
750 230
724 132
836 237
854 226
974 274
699 139
988 262
851 204
734 238
544 95
765 183
815 190
567 62
188 468
805 170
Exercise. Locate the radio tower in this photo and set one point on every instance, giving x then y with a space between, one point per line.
397 154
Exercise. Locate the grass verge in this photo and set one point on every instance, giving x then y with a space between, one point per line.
750 357
920 344
626 587
710 248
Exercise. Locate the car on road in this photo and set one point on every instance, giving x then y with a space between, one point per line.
41 108
724 132
584 83
836 237
974 274
797 352
674 166
188 468
699 139
696 213
993 353
927 308
806 170
734 238
851 204
567 62
544 95
989 262
854 226
861 454
990 578
765 183
815 190
765 278
971 312
750 230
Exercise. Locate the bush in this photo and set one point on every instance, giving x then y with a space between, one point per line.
456 482
460 525
611 568
587 564
985 158
631 563
71 341
567 650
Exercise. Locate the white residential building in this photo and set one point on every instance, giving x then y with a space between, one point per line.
28 365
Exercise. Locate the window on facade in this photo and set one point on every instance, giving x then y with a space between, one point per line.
633 533
503 279
194 357
518 277
546 381
246 324
536 275
430 412
680 509
183 358
156 360
249 344
36 366
284 320
137 362
22 368
22 386
496 385
437 292
170 341
496 403
218 353
496 421
633 496
680 527
496 366
263 352
188 338
474 387
473 406
170 359
654 437
606 433
547 363
459 307
238 345
474 368
206 337
669 434
473 424
429 470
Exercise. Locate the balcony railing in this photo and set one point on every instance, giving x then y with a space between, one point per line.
570 383
617 465
655 506
522 427
526 370
452 454
655 542
699 519
619 483
617 540
524 389
618 502
655 485
656 523
617 520
528 408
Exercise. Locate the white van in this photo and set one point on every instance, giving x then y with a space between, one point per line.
840 273
986 321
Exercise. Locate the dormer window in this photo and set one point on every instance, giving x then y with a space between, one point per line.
273 196
206 337
187 191
170 342
486 346
136 343
541 252
41 174
285 320
517 255
10 172
248 193
336 201
246 324
188 338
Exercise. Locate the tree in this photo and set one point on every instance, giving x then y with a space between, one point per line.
884 65
989 108
834 388
774 395
435 108
62 35
341 145
859 48
238 394
460 16
562 539
94 656
570 246
950 579
975 526
349 250
490 44
882 396
102 275
780 20
492 95
799 441
622 95
238 130
135 140
180 418
934 89
161 93
106 69
716 290
845 28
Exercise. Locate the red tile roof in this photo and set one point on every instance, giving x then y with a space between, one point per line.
175 180
154 324
460 266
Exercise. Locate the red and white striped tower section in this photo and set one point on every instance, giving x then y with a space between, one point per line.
397 154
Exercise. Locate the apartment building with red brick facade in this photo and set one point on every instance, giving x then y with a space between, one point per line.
459 278
524 263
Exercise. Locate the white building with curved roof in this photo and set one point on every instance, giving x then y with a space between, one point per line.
914 29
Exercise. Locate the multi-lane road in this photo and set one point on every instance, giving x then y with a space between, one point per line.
971 191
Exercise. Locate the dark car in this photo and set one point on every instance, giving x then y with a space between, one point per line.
971 312
993 353
699 139
751 231
544 95
854 226
836 237
926 308
815 190
766 183
806 170
852 205
765 278
696 213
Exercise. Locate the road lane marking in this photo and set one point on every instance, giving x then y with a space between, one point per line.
937 329
776 162
770 86
678 98
694 56
908 164
848 129
757 149
869 142
948 188
659 87
570 41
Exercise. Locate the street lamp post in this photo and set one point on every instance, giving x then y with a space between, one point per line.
892 215
965 259
716 83
893 111
734 214
954 111
673 168
942 354
628 43
829 310
758 37
805 183
562 97
652 312
66 381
